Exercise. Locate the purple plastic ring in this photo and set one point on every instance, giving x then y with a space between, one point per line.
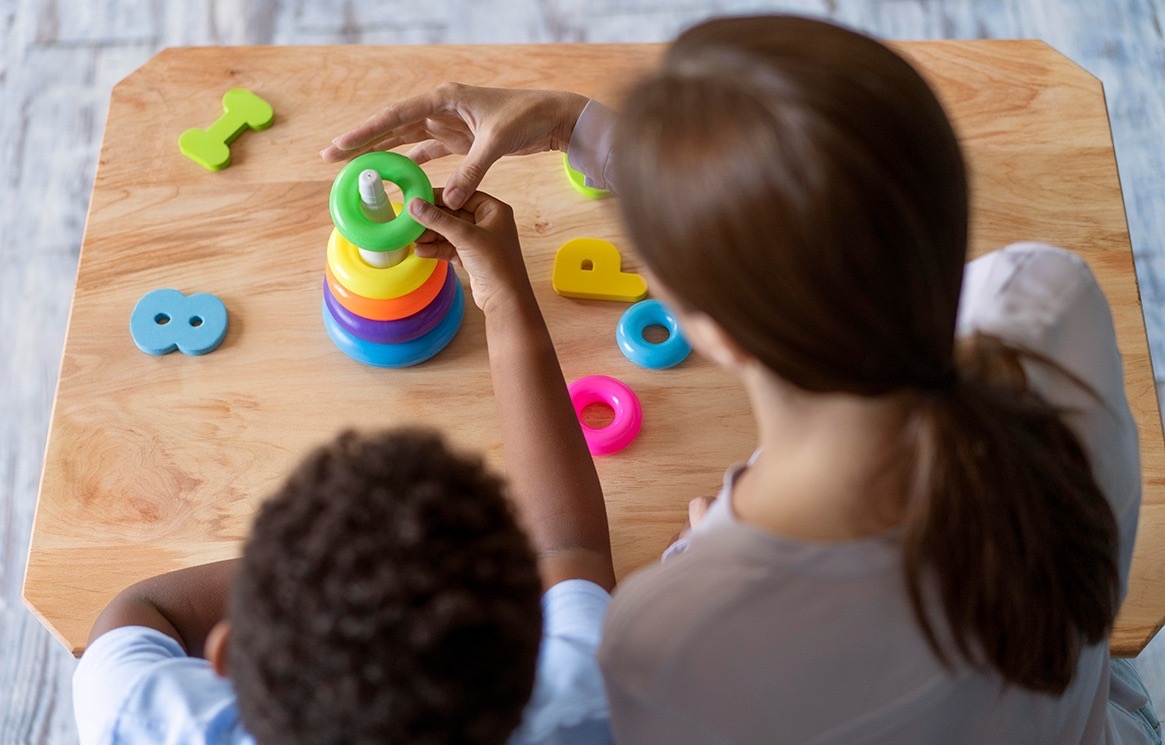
400 330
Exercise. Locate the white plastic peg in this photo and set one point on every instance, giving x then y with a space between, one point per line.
374 202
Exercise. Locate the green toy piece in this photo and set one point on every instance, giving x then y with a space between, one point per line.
344 203
578 181
210 148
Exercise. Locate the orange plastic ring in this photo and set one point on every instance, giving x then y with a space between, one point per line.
393 308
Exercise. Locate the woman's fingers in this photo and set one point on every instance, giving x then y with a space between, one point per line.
426 151
697 509
400 114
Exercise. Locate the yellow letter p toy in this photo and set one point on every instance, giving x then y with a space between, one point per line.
592 269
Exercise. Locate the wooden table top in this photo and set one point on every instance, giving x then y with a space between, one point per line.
157 463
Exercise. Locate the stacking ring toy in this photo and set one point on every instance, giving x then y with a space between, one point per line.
578 180
354 225
400 355
629 334
374 282
600 389
395 331
395 308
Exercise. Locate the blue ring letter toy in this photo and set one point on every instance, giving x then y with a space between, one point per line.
406 353
629 334
165 320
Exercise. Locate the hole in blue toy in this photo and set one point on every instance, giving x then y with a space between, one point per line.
597 415
587 265
161 319
195 321
655 334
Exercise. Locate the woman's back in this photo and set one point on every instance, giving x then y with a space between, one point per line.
748 636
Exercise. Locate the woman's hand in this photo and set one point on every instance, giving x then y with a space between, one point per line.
481 123
482 238
697 509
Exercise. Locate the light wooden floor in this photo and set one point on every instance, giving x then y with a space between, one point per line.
59 60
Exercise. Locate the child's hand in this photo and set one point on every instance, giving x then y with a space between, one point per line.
482 238
481 123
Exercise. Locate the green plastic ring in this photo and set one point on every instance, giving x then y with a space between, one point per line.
354 225
579 182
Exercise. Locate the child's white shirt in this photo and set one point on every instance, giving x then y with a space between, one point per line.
135 685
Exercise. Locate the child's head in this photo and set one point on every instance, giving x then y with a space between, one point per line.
386 594
797 188
801 185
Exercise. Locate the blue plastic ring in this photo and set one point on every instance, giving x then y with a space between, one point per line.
407 353
629 334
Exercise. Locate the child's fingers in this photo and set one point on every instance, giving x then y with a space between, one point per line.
462 214
441 221
476 204
442 251
428 237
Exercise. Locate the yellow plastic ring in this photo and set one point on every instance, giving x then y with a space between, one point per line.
369 281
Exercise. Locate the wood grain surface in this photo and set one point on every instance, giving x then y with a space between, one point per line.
154 463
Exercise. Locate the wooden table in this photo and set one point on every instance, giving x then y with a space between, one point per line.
156 463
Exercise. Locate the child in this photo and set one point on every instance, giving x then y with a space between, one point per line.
386 593
933 536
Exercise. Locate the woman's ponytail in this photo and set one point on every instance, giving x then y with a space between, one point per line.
1007 536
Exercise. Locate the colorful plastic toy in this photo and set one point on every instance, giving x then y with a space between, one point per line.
579 181
592 269
372 282
403 354
635 347
374 202
210 147
601 389
382 304
165 320
400 330
355 224
394 308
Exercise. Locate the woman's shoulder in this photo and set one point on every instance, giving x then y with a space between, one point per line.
1028 293
739 587
1046 300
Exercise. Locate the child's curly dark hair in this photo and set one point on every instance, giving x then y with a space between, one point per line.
386 594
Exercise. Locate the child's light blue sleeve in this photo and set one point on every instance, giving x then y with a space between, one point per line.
569 704
136 685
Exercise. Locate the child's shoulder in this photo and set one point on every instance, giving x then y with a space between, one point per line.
135 685
569 704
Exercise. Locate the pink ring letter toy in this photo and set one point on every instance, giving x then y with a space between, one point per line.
600 389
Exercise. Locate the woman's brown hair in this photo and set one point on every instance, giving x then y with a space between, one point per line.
802 186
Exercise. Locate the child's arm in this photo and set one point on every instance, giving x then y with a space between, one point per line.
551 476
184 604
